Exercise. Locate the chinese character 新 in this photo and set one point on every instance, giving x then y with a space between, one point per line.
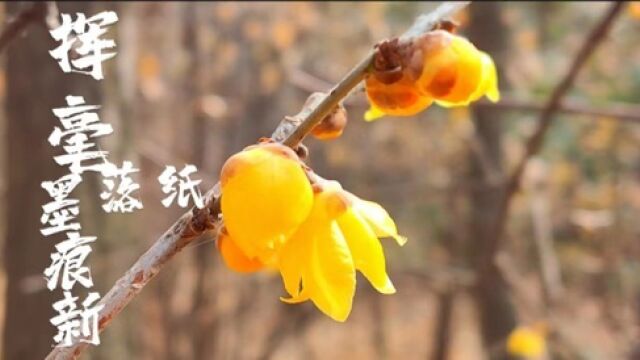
75 323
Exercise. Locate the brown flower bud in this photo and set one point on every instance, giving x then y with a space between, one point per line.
332 125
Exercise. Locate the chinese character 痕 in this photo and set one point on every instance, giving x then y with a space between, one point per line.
67 264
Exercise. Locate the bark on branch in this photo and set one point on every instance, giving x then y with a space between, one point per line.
196 222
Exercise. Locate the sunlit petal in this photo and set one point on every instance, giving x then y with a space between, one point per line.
378 218
233 256
366 250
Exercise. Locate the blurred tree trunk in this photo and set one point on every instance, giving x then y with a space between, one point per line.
203 306
497 313
36 85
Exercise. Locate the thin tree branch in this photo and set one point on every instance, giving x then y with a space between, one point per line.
534 143
625 112
291 131
547 261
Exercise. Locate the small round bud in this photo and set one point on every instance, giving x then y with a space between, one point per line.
332 125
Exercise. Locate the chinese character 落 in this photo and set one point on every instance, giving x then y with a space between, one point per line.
120 199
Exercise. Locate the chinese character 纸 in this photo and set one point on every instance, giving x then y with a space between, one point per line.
83 37
181 186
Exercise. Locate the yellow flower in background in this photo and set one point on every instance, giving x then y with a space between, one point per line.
339 237
452 72
634 9
527 342
266 196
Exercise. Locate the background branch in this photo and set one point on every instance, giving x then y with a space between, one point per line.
620 111
196 222
535 141
615 110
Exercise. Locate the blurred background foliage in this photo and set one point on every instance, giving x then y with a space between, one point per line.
196 82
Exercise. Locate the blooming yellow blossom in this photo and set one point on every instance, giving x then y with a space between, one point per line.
527 342
317 238
452 72
265 197
340 236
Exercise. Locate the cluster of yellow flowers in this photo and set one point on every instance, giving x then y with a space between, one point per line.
437 67
316 236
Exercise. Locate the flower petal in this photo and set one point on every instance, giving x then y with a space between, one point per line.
233 256
293 260
489 80
318 258
266 196
400 98
378 218
366 250
373 114
332 280
469 65
491 90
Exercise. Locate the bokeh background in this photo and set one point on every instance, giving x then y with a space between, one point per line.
196 82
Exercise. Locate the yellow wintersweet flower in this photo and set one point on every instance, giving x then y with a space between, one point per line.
527 342
340 236
437 67
265 197
315 237
487 85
